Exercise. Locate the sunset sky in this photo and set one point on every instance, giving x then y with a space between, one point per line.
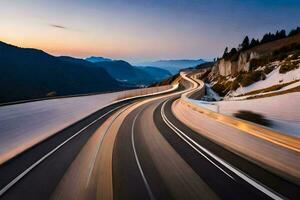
137 30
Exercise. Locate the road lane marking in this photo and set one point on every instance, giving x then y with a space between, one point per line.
20 176
137 159
176 130
100 143
242 175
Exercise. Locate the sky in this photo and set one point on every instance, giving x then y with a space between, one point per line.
140 31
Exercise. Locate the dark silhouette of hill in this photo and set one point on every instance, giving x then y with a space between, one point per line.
30 73
95 59
125 72
122 71
158 74
173 66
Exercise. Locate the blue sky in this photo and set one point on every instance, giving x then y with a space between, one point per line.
139 31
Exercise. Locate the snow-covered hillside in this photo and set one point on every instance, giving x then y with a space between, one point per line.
273 78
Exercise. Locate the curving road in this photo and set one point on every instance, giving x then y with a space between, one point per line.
137 149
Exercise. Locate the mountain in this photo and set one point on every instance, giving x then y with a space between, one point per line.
158 74
30 73
173 66
94 59
123 71
78 61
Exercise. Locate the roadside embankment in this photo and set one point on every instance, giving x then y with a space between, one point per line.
271 149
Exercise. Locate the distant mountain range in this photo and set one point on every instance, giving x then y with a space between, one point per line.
27 73
125 72
173 66
95 59
158 74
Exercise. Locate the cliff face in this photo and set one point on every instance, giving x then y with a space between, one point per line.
231 68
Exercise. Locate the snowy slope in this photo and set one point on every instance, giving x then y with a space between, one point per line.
273 78
282 110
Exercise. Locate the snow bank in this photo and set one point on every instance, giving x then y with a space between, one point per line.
205 104
282 110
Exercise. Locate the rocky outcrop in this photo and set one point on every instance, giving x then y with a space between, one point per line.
233 64
231 68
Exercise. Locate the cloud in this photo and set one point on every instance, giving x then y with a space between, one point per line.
58 26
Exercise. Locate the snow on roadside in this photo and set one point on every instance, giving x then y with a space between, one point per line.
206 104
282 110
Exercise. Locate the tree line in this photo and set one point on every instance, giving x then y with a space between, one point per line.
268 37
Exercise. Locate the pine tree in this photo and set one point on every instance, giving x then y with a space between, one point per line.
225 52
294 31
245 43
253 43
232 51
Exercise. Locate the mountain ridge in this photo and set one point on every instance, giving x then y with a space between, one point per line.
28 73
173 66
95 59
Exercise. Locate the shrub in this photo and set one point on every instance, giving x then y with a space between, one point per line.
251 77
256 62
235 85
220 88
252 117
287 66
268 69
283 52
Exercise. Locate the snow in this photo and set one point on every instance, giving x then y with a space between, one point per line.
273 78
282 110
205 104
256 148
293 85
211 92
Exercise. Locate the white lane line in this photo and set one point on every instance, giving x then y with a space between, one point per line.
137 159
100 143
20 176
242 175
190 144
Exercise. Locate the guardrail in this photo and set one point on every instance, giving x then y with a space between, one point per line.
249 127
266 141
142 91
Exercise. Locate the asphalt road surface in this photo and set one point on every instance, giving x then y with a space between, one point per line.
153 156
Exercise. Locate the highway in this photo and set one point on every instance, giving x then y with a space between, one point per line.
137 149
